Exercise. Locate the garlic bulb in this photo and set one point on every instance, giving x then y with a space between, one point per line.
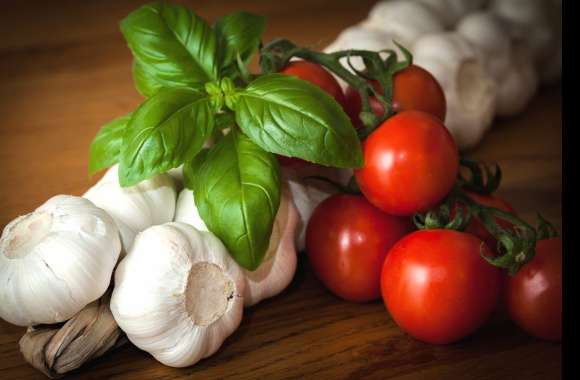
407 20
451 11
186 211
488 34
518 84
135 208
511 68
306 197
56 260
469 89
279 265
178 294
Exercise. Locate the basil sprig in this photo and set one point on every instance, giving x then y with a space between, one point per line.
195 81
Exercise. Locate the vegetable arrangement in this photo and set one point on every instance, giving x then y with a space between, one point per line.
261 157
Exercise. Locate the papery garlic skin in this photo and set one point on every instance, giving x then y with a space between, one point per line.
470 91
135 208
186 211
450 12
56 260
178 294
279 265
407 20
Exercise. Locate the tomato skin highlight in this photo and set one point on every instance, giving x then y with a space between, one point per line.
414 88
534 294
437 287
315 74
410 164
346 242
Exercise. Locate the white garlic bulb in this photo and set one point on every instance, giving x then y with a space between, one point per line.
450 12
56 260
469 89
279 265
150 202
178 294
407 20
306 197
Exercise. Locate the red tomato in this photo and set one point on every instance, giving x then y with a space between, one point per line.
475 227
315 74
410 164
414 88
346 242
437 287
534 294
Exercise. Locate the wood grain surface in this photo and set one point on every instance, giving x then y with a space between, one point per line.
65 71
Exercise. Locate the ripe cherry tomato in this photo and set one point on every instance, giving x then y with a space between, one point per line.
534 294
437 287
346 241
478 229
414 88
410 164
315 74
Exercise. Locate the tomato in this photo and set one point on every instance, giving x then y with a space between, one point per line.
437 287
410 164
475 227
315 74
414 88
534 294
346 243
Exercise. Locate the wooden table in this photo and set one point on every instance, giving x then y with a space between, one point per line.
65 70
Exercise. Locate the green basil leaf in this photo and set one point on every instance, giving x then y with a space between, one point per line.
191 167
239 33
173 46
106 145
291 117
165 131
237 193
145 82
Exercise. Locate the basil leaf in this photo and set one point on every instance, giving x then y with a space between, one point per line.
237 193
145 82
291 117
165 131
191 167
173 46
239 33
106 145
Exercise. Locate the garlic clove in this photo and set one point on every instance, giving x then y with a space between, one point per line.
56 260
469 89
408 20
487 33
450 12
186 211
135 208
518 85
279 266
178 294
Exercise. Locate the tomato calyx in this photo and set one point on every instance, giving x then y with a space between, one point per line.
276 54
481 179
545 229
442 218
